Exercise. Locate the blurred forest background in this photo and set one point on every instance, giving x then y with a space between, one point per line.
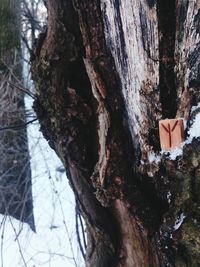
38 222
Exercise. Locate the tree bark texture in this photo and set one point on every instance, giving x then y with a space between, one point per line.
15 173
107 72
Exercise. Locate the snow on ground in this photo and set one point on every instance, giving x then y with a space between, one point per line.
54 244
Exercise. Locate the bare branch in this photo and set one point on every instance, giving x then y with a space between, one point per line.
26 91
78 231
24 39
19 246
15 127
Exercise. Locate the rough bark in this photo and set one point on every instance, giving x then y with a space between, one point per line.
15 173
106 72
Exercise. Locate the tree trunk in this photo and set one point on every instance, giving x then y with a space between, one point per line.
15 173
107 72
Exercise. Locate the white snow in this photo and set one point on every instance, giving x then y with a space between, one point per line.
173 153
153 157
195 128
54 244
195 107
169 196
179 221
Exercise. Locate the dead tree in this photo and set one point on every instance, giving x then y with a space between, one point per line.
15 172
107 72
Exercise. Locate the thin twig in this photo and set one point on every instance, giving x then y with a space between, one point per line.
83 231
19 246
51 253
10 69
67 231
63 215
21 89
24 39
2 238
78 233
13 127
81 225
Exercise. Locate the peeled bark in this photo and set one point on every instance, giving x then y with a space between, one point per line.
15 172
106 72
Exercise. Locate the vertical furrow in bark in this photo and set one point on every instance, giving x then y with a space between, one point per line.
187 56
69 123
135 248
167 29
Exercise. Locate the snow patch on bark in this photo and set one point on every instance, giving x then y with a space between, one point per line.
171 154
154 157
195 128
169 197
179 221
194 108
174 153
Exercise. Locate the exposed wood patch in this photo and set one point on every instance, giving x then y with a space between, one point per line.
130 252
99 93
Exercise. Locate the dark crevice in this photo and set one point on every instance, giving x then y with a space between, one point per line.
150 203
151 3
167 29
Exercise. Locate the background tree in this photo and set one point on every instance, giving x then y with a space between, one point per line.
107 72
15 173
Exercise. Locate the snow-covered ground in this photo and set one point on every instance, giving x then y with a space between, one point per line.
54 244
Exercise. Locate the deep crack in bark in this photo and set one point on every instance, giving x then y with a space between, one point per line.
166 12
